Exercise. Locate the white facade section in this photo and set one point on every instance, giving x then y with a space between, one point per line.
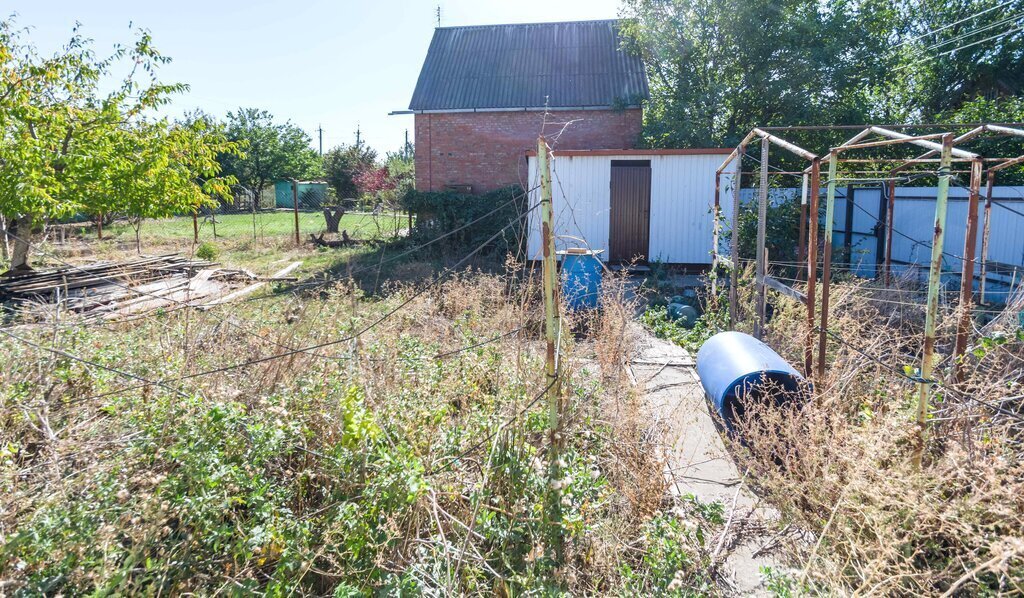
682 196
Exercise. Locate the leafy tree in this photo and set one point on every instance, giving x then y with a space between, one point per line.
402 169
68 146
720 67
273 151
343 163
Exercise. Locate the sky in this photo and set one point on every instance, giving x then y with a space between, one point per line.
336 65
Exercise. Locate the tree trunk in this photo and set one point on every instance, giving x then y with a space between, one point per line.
333 216
21 230
5 250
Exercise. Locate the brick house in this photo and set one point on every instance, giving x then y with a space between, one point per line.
482 93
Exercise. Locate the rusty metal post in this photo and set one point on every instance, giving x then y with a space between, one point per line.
295 209
762 227
715 232
826 262
801 245
932 309
733 292
967 273
985 227
195 228
812 264
890 218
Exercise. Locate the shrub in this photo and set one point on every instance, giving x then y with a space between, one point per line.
207 251
439 213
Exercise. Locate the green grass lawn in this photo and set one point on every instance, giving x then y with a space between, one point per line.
237 226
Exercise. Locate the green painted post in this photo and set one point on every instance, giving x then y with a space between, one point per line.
826 262
553 392
932 309
762 227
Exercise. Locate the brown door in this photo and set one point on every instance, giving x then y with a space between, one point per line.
630 226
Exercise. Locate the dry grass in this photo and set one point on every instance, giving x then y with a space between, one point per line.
841 467
388 463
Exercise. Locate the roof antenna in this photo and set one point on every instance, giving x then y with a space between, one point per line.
438 15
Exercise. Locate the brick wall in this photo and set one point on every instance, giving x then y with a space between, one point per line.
487 149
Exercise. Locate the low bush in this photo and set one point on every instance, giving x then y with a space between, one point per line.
411 461
440 213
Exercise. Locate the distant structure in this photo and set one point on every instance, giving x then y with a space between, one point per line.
482 94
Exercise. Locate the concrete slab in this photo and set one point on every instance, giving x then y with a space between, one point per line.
698 462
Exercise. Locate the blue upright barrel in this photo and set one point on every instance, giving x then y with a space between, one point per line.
736 367
581 278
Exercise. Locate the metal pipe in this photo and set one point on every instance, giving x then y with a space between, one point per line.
762 228
890 218
967 273
932 309
812 264
887 126
890 141
733 292
715 232
1005 130
796 149
741 146
985 227
1006 164
923 143
826 266
801 249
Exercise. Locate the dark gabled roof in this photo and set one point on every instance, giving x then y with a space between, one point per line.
572 64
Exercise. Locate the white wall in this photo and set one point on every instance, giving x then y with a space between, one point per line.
682 193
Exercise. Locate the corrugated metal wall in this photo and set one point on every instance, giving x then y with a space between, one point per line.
682 192
913 230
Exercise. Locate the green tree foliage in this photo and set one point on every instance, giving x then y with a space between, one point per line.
721 67
273 150
343 163
68 145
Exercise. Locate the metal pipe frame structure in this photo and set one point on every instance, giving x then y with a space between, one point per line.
943 145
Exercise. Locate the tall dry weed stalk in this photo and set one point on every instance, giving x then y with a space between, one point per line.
840 465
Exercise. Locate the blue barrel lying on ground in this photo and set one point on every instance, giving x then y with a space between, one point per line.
581 278
735 368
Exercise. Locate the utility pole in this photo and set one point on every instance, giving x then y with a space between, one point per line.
553 511
358 136
320 132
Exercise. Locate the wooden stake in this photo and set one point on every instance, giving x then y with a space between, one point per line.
195 228
932 310
551 322
762 227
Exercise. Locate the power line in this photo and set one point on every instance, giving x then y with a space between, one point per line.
317 346
954 23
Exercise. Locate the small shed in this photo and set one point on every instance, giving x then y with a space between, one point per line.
642 205
311 194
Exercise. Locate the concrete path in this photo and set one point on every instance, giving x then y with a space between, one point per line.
698 463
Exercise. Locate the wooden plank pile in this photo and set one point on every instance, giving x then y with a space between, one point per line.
115 288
